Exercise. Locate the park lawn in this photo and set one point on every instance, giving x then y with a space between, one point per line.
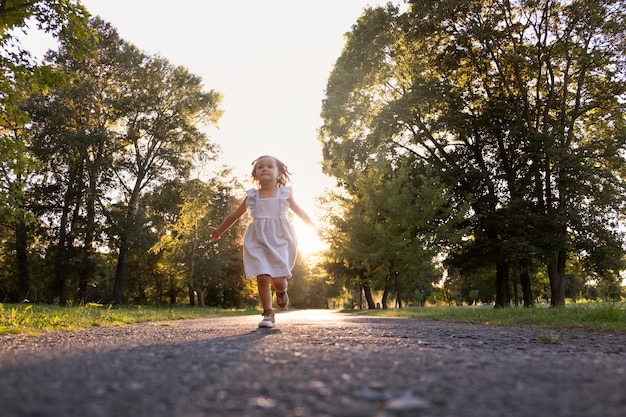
38 318
588 316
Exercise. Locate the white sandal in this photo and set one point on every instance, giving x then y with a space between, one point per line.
268 320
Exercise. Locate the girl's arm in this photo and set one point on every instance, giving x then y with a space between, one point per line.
216 232
302 214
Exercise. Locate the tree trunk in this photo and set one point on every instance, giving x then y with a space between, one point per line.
201 299
515 291
120 271
158 282
527 291
21 259
67 231
556 274
192 266
368 296
398 298
172 290
503 298
385 296
21 240
87 270
125 232
192 296
60 262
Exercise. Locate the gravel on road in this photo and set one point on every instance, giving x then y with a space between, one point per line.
314 363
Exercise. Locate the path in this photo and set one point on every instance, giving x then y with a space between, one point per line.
315 363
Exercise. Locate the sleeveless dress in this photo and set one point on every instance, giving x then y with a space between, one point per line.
269 244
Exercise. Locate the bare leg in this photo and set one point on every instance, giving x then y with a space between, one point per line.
280 284
263 284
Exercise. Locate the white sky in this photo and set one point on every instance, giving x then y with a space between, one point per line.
270 59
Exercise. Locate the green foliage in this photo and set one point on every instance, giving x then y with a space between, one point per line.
390 227
185 254
64 20
38 318
15 319
592 316
517 107
117 125
20 76
308 287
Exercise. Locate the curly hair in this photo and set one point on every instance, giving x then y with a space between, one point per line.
283 171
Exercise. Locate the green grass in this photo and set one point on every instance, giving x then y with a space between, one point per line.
590 316
38 318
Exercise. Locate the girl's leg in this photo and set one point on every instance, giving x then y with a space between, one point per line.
280 286
263 284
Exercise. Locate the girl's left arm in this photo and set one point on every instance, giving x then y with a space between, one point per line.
303 215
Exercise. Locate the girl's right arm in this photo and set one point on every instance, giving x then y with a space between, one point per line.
216 232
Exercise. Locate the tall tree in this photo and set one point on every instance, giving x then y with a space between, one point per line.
212 272
224 277
16 215
73 139
518 104
125 123
21 75
161 110
393 222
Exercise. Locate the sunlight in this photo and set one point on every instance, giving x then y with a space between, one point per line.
308 241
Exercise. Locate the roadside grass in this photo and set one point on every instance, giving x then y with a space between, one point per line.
38 318
609 317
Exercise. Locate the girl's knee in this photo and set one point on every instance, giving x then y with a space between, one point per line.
263 279
280 284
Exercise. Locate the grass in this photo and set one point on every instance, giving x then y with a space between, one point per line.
38 318
591 316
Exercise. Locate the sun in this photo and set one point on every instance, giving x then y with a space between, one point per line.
309 243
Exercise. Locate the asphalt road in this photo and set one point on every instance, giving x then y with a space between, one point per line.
314 363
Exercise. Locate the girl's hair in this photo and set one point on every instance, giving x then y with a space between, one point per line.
283 172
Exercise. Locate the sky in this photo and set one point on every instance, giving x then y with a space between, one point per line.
270 60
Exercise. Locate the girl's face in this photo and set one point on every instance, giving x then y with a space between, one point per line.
266 169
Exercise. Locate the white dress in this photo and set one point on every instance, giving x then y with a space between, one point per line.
269 244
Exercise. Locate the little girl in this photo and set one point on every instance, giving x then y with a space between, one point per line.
269 244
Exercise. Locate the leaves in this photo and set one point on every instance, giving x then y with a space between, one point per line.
516 106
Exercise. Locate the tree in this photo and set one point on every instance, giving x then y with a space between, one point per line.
393 221
20 75
223 275
120 124
75 144
160 112
211 272
517 104
72 141
14 211
64 20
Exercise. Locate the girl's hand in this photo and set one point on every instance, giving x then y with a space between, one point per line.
214 234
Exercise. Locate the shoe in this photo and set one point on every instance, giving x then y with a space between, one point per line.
268 320
282 299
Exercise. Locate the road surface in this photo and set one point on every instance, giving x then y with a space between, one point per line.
314 363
